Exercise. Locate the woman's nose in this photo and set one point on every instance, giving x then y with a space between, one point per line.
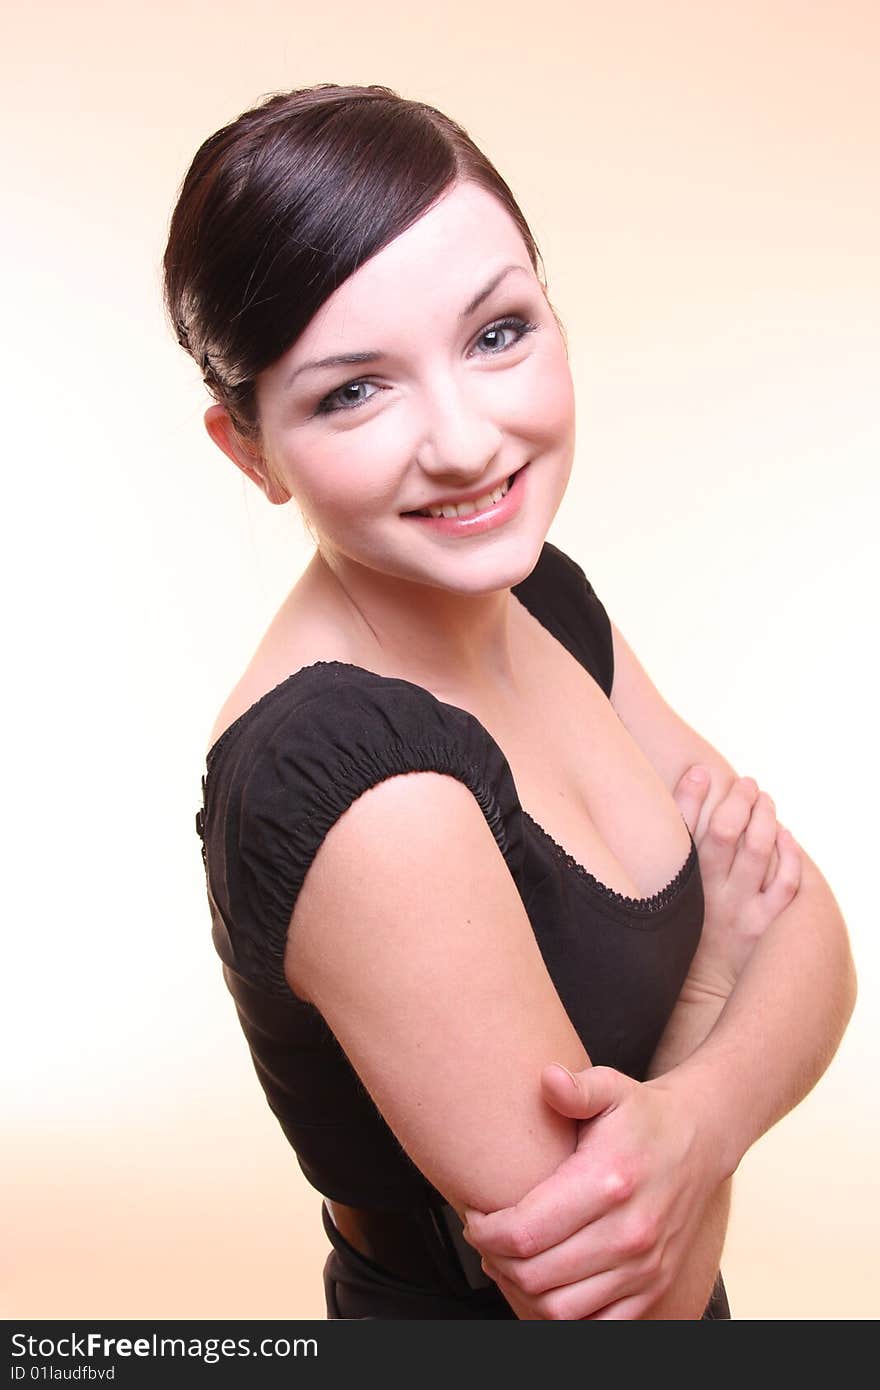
459 438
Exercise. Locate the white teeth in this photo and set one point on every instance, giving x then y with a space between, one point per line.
468 508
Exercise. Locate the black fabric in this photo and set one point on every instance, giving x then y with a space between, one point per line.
279 778
358 1287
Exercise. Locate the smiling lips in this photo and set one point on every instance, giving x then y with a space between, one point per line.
475 515
468 505
479 504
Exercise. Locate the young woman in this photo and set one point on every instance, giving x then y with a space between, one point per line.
446 826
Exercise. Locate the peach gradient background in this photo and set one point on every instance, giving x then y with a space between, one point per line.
702 179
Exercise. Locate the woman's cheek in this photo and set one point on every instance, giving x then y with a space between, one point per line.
351 479
545 401
558 397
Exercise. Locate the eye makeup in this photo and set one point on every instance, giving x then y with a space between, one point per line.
333 401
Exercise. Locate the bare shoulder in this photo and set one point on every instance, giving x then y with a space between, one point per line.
301 634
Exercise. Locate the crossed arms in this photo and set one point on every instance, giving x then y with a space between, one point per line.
443 1004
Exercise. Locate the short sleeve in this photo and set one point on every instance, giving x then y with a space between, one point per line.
285 772
560 596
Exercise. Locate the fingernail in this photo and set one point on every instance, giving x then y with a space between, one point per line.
570 1074
697 775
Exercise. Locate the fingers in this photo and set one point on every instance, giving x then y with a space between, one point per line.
772 863
787 879
623 1310
569 1303
727 823
690 794
584 1255
751 863
562 1204
550 1213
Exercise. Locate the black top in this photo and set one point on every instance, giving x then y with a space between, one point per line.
278 779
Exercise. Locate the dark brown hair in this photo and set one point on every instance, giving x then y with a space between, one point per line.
283 204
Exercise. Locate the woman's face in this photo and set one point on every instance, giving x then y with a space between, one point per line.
449 399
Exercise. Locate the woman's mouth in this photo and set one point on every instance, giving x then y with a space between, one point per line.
481 504
482 514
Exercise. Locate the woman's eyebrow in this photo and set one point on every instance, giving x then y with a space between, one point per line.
487 290
351 359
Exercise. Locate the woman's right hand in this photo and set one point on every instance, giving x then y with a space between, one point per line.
751 870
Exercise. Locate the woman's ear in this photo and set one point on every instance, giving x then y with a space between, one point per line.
245 454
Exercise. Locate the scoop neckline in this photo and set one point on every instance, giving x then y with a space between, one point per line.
646 906
610 897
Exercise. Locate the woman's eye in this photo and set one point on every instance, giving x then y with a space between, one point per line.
498 337
504 334
344 397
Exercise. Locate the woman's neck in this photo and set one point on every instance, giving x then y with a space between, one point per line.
439 638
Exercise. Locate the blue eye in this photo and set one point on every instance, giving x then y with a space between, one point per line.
341 399
506 333
515 326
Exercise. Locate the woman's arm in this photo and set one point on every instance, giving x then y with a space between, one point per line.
759 1060
751 871
655 1251
685 1130
411 939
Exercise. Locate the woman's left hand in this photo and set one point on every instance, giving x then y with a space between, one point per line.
577 1247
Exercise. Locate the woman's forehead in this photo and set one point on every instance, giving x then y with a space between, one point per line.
436 266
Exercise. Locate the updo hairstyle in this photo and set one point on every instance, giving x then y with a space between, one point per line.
282 205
